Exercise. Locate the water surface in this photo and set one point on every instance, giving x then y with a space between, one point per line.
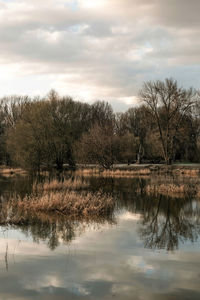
149 249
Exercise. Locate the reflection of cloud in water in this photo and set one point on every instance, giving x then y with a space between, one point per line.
104 263
129 216
21 248
52 282
139 264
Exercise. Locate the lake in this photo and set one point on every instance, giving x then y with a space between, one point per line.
148 249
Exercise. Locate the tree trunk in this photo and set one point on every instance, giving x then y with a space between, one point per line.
140 154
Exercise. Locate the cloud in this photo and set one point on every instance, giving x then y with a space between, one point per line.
96 49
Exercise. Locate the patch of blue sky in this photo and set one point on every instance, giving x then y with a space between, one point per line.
73 5
77 28
148 45
74 28
145 49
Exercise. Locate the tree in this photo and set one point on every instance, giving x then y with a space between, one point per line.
98 146
102 114
11 110
169 104
47 131
136 122
127 148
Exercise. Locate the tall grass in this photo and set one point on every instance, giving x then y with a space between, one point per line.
55 185
8 172
169 189
69 197
114 172
187 172
68 203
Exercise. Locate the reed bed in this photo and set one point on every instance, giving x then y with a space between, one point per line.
198 191
125 173
139 170
169 189
68 198
67 184
187 172
88 172
114 172
68 203
8 172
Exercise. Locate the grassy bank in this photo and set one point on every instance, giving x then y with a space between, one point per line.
68 203
171 189
55 185
134 170
69 198
118 171
9 172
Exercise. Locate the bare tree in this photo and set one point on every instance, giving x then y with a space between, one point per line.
169 104
98 146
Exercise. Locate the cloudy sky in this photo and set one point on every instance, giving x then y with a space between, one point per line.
97 49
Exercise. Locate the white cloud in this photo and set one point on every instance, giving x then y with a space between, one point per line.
97 48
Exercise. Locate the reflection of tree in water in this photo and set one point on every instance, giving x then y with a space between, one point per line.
53 228
166 221
15 185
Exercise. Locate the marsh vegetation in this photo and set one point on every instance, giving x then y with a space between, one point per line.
160 201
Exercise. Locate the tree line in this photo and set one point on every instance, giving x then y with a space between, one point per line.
53 131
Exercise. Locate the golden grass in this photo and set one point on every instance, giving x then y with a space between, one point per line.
187 172
125 173
68 198
168 189
55 185
114 172
88 172
198 190
68 203
8 172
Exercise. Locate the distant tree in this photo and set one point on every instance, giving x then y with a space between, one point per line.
136 122
169 104
46 132
11 110
102 114
54 130
98 146
127 148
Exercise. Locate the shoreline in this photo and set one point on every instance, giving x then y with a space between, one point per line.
182 169
142 169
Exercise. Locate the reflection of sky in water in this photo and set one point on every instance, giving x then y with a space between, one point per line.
105 261
108 262
14 234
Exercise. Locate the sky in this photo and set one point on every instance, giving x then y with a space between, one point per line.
97 49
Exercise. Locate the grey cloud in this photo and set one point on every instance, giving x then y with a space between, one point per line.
111 49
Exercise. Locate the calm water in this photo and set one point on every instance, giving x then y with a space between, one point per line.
149 249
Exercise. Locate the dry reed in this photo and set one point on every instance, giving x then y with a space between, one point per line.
55 185
187 172
68 203
7 172
169 189
114 172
